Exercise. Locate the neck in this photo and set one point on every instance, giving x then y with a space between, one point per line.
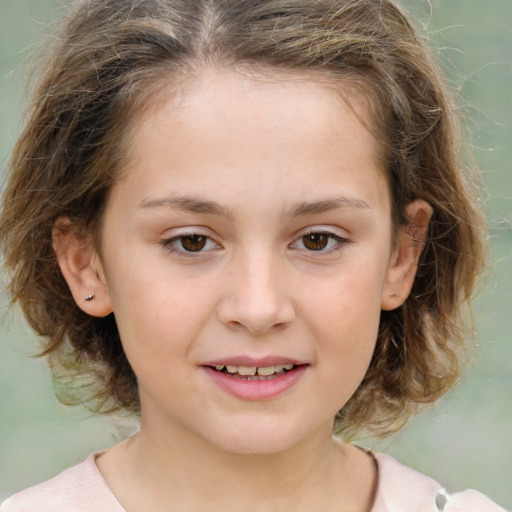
179 471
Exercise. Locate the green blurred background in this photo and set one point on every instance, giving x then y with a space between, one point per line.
466 441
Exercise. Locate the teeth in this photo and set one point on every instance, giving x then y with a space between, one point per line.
263 371
246 370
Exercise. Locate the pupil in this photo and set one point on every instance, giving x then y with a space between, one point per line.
316 241
193 243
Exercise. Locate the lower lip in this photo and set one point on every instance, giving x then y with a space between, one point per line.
264 389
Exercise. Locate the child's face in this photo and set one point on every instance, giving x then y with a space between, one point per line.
251 228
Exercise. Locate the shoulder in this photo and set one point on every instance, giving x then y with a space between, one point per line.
80 488
402 489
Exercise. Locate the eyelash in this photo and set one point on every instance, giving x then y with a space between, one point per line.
339 242
170 244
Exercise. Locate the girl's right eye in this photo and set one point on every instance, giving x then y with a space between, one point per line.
189 244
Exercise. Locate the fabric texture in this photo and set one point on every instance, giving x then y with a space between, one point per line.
400 489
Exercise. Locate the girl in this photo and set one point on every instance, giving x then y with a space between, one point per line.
245 222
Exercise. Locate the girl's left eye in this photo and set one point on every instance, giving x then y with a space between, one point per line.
319 241
192 243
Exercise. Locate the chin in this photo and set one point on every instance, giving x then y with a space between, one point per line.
261 445
258 438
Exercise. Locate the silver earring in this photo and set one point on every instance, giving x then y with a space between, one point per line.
90 297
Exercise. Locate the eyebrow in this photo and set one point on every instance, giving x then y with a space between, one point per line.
197 205
336 203
188 204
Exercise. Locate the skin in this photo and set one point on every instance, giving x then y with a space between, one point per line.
262 164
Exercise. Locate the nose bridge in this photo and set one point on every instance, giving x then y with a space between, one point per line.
257 296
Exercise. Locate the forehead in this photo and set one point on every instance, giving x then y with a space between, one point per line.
290 127
215 87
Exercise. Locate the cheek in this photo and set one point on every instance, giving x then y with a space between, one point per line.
159 317
350 298
345 312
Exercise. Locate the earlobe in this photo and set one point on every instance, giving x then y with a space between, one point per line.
404 263
81 267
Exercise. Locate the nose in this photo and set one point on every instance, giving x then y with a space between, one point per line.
256 297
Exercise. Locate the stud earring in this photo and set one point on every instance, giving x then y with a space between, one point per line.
90 297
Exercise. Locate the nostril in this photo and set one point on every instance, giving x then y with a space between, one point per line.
257 305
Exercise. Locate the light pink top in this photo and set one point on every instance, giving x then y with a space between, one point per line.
400 489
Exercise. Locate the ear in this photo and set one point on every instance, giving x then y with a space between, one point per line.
404 262
81 267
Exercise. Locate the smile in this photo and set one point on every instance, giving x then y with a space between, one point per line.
255 383
254 372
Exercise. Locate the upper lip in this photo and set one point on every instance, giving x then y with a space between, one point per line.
253 362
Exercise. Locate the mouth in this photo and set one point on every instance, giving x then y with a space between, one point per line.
256 379
255 372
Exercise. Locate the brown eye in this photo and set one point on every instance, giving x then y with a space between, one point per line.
316 241
193 243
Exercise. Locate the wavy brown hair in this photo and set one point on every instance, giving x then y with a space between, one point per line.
107 64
